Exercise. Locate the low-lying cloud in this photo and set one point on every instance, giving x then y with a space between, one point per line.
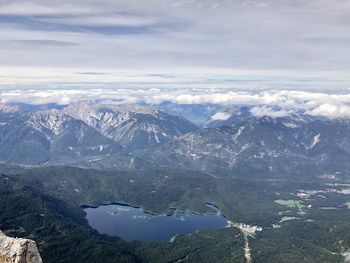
275 103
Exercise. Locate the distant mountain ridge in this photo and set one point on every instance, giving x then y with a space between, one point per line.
134 127
39 137
83 132
127 137
262 146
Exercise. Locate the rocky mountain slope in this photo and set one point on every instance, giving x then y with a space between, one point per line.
83 132
40 137
134 127
18 250
128 137
264 145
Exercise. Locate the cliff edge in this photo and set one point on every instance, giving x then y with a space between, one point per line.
18 250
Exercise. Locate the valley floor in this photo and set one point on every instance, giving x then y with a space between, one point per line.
271 220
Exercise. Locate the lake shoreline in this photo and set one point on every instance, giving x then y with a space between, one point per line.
131 222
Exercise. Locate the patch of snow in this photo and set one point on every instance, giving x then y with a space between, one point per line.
239 132
156 136
290 125
173 239
315 140
244 147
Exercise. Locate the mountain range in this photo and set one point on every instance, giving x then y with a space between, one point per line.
231 141
263 146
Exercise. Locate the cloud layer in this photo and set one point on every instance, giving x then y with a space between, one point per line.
275 103
293 55
242 34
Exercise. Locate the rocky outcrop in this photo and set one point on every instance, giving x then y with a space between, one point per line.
18 250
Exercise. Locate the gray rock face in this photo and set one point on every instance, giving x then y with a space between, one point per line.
53 136
84 134
261 146
18 250
134 127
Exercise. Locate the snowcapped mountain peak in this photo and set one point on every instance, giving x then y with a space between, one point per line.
131 124
50 119
9 108
85 131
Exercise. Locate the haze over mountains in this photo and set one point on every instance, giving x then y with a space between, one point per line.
231 141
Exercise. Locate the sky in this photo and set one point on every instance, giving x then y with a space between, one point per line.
62 51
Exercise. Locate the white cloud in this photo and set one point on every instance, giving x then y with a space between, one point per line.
288 54
266 111
331 110
266 34
275 103
221 116
93 20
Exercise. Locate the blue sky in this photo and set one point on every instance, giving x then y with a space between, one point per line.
241 45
